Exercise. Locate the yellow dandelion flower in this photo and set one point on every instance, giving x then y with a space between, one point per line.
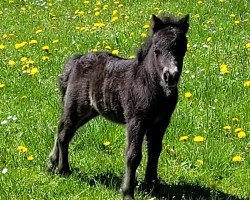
24 97
227 128
187 95
237 22
2 85
45 58
97 13
115 52
22 149
20 45
107 47
248 45
30 158
132 56
39 31
33 42
143 35
45 48
209 39
24 59
86 2
241 134
114 12
25 67
94 50
224 69
79 12
232 15
55 41
199 2
199 162
104 42
30 62
114 19
99 24
105 7
237 130
106 143
183 138
237 159
4 36
120 5
235 119
2 47
199 138
246 84
210 21
33 71
146 26
196 16
11 63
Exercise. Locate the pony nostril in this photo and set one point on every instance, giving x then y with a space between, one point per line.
169 78
166 76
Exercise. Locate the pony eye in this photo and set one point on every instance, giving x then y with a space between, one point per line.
157 52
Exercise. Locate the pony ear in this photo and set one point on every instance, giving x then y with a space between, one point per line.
157 23
184 23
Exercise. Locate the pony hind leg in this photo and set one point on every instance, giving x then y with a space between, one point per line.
68 125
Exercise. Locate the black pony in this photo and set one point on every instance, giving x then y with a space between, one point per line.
141 93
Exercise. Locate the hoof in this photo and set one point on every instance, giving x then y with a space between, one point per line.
152 183
126 195
51 167
64 171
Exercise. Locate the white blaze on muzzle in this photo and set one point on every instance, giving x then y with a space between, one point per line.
169 72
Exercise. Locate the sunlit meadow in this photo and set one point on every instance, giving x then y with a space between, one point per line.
206 152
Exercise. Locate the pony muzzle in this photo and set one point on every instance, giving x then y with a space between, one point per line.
170 79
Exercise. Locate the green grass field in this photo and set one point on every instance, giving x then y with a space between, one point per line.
37 36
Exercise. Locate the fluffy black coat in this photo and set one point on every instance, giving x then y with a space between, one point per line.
141 93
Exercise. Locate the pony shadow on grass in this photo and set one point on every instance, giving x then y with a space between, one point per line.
163 190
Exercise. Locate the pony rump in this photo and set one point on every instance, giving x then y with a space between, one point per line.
64 77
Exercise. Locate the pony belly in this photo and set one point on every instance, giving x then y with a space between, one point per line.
112 112
110 108
112 116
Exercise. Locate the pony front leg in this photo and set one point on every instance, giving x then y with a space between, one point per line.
154 138
135 134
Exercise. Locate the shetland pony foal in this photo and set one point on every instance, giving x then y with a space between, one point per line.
141 93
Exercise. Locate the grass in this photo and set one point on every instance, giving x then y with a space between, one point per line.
30 101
